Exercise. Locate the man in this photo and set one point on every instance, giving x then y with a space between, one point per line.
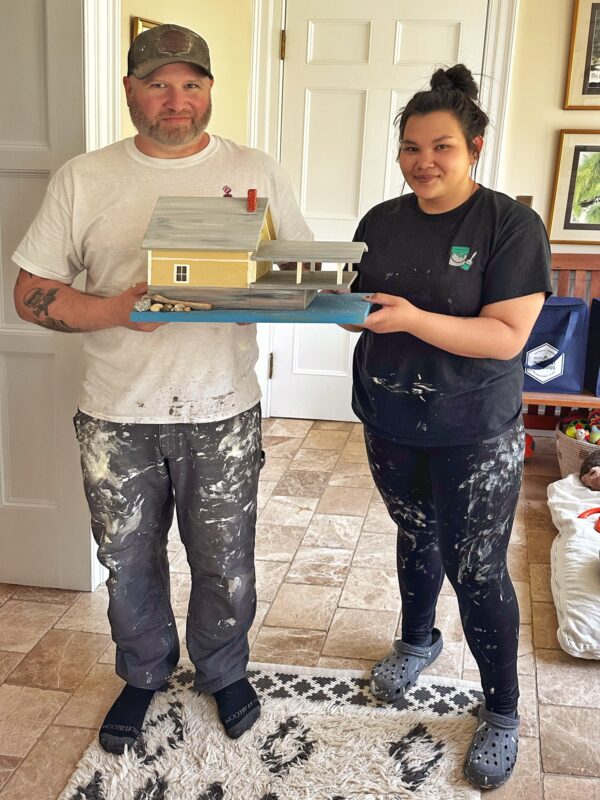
169 415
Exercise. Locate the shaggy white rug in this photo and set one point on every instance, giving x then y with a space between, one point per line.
321 736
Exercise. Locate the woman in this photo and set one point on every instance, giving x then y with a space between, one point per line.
459 274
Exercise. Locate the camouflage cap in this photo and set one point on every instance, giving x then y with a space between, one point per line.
166 44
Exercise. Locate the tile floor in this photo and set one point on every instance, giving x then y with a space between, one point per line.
327 597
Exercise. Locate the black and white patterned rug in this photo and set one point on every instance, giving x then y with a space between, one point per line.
321 736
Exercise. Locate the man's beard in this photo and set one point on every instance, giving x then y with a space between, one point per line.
169 134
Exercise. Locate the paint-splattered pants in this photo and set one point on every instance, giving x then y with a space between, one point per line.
134 478
454 507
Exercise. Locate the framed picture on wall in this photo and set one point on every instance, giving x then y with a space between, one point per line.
583 77
139 25
575 208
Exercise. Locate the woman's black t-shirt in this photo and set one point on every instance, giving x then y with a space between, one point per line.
491 248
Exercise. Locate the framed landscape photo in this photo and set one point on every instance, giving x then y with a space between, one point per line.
139 25
575 208
583 77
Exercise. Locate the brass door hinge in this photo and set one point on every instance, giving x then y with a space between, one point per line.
270 368
282 46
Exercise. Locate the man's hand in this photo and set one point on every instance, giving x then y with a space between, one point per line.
123 305
395 315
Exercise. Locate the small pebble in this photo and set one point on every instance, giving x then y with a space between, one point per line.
156 307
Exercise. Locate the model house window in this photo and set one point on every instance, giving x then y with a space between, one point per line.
182 273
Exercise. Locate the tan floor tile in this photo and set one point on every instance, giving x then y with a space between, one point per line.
283 646
87 707
528 706
88 613
179 563
290 427
540 583
326 566
567 681
303 606
545 625
341 500
539 543
259 617
277 542
108 656
7 766
518 565
330 662
181 585
563 787
358 434
538 517
181 623
289 510
379 521
267 424
522 591
8 661
6 590
280 446
315 460
542 464
332 425
354 452
269 575
449 663
526 780
301 483
274 468
325 440
22 623
265 490
49 765
447 619
567 746
333 530
375 550
519 530
545 444
353 475
371 588
25 713
41 594
356 633
60 660
536 487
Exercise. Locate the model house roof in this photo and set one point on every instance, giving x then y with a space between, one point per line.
338 252
204 223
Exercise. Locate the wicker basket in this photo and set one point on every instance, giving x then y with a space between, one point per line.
572 453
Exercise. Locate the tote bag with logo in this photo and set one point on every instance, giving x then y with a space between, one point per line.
554 356
592 360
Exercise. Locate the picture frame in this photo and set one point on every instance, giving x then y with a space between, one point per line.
575 206
141 24
583 76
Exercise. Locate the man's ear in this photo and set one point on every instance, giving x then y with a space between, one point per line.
127 85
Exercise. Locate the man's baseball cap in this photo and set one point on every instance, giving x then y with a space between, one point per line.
166 44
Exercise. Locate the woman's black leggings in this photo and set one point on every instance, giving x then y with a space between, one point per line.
454 507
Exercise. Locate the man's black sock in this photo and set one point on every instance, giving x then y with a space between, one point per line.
239 707
124 721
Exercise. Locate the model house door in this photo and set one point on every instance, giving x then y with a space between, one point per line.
349 67
44 522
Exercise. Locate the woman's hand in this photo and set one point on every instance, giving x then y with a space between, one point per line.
395 315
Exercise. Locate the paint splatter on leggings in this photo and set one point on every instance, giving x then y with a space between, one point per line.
454 507
135 476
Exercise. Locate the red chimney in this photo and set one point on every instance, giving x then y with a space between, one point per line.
251 201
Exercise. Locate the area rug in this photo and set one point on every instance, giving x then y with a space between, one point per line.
321 736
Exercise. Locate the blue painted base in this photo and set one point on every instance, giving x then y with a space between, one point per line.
345 309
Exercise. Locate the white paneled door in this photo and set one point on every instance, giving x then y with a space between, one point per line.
349 67
44 523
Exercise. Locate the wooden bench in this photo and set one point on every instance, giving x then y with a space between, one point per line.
573 275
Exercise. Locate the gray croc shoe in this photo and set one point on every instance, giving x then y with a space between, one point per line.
493 752
398 671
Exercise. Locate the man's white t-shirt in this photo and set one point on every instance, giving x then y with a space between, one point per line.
93 218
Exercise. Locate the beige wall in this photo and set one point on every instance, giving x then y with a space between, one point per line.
226 26
535 113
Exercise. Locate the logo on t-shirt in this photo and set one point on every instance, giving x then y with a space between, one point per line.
459 257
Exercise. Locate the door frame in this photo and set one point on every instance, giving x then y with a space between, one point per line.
266 94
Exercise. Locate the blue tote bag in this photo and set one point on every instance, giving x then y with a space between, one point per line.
592 361
554 356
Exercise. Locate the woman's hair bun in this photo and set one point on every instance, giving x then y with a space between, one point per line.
458 78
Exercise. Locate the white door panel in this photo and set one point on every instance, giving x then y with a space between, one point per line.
44 522
349 68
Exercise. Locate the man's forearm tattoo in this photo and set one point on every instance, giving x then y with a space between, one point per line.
39 302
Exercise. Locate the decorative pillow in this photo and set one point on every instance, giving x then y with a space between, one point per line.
575 567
